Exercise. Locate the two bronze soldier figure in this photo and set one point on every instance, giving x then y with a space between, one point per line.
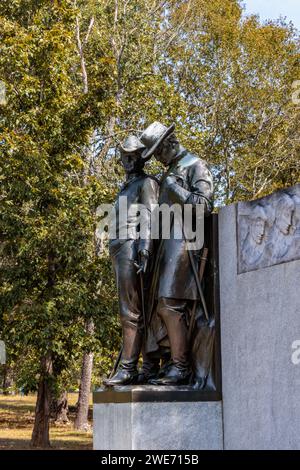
158 280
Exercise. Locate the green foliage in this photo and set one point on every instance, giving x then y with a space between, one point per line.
237 77
51 278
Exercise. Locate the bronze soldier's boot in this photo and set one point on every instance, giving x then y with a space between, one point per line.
127 373
149 370
172 312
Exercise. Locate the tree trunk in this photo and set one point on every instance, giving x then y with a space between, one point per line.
81 421
40 434
8 380
60 408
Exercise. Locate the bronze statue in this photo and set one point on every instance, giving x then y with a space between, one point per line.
163 332
176 286
130 257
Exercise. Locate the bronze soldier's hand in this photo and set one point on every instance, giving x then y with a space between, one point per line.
143 261
172 179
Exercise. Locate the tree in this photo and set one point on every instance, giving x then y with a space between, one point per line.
236 76
47 215
59 408
81 421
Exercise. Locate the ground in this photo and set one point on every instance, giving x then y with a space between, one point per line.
16 423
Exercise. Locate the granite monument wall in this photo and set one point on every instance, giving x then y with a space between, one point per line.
259 252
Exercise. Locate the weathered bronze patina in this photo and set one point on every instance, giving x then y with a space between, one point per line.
176 287
175 327
130 258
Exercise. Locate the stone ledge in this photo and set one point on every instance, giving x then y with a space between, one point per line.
151 393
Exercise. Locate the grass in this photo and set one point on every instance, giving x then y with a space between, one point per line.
16 424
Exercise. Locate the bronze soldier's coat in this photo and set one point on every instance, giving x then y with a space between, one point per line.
176 277
173 276
139 189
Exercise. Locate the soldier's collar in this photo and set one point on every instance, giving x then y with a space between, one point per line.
178 157
131 179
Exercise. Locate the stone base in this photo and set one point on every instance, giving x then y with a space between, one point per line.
125 418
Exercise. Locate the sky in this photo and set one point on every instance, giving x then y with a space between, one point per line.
272 9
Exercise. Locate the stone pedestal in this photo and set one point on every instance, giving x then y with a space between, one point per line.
157 418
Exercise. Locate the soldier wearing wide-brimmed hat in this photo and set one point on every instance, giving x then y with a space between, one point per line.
132 144
175 288
128 253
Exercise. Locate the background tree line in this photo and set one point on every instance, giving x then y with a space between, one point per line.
80 75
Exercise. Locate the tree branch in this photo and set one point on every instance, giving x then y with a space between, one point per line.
80 47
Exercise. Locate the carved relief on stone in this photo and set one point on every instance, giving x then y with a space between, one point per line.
268 230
